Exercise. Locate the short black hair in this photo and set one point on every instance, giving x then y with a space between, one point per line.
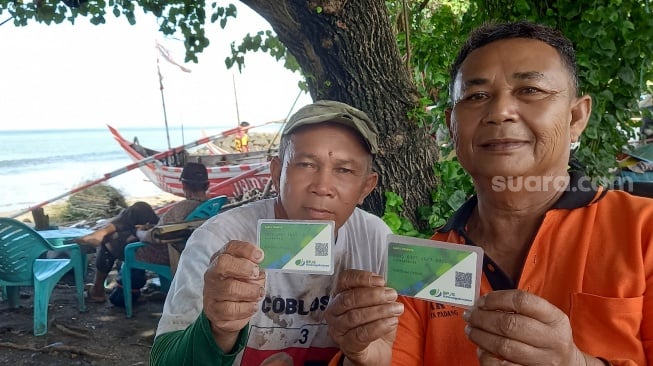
492 32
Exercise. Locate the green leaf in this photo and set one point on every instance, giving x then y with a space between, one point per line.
407 226
590 132
607 95
393 200
393 221
231 11
627 75
608 44
521 6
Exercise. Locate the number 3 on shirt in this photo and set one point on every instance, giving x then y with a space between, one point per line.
303 336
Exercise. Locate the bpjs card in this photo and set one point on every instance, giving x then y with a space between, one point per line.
435 271
297 246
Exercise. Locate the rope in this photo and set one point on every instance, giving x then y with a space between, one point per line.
10 18
284 122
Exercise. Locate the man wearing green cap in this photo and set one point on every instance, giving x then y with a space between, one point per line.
223 309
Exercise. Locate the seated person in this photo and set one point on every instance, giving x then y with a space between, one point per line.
133 225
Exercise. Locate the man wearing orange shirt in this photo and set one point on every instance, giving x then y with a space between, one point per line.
568 267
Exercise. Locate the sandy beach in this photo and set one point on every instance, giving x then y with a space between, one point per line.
101 335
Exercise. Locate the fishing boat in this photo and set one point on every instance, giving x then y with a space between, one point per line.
236 175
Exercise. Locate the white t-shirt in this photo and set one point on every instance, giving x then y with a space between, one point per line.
291 315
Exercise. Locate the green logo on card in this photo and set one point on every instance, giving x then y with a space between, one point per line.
436 292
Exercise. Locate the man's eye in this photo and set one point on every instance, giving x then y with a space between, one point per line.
304 164
530 90
343 170
475 96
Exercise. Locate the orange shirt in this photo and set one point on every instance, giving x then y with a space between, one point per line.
241 141
592 257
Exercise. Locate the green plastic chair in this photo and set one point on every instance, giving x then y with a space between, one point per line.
20 248
206 209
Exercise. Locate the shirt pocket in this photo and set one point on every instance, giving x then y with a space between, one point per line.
607 326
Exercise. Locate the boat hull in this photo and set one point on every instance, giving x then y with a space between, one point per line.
226 176
168 179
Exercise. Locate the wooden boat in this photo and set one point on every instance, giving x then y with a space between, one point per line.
236 175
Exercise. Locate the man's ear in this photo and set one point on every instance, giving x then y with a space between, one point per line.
581 110
275 172
370 183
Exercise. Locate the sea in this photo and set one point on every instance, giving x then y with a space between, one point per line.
38 165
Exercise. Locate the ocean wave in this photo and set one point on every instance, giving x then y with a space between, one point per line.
48 160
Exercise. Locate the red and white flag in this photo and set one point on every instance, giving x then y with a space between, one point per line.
166 55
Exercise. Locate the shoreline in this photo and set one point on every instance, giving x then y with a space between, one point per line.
141 188
52 209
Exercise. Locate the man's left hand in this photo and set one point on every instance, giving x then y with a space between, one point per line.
522 329
363 317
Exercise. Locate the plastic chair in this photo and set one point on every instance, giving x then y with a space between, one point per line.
20 248
206 209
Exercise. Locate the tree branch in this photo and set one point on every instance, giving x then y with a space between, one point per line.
405 13
422 5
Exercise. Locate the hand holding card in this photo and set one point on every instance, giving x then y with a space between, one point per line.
233 287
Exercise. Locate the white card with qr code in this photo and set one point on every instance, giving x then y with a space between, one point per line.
297 246
434 271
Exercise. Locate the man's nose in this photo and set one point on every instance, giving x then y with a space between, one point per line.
503 107
322 183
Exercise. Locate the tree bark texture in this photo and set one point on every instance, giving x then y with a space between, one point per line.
347 51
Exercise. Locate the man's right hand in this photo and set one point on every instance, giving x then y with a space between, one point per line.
363 316
233 287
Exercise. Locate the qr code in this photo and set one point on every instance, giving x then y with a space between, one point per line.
463 279
321 249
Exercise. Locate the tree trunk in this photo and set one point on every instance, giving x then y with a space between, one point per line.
347 52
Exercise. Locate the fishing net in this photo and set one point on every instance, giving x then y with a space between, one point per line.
97 202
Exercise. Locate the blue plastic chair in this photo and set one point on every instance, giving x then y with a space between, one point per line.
206 209
20 248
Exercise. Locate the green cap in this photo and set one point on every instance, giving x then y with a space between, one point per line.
337 112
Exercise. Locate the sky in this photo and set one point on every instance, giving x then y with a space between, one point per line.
67 76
